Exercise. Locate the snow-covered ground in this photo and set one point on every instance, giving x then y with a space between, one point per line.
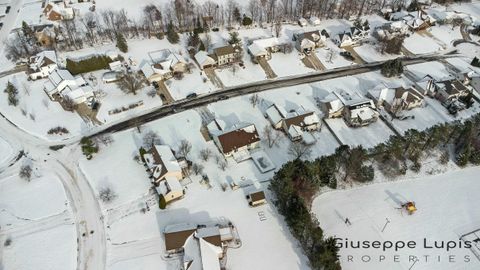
36 113
446 206
6 151
368 136
419 44
330 56
369 53
37 218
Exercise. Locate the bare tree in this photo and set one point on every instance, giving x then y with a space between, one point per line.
130 83
197 168
151 138
25 172
222 165
299 150
185 148
277 28
68 103
104 139
205 154
271 136
254 100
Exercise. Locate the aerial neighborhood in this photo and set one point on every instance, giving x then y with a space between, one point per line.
228 134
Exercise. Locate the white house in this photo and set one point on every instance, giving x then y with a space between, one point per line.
293 123
62 84
163 64
396 100
344 39
42 64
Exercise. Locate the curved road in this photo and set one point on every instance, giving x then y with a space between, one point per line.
85 207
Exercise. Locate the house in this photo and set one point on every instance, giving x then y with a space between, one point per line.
256 198
177 235
166 172
361 112
356 110
302 22
61 84
224 55
396 100
44 34
58 11
306 42
293 123
264 47
163 65
42 64
447 90
352 36
204 60
343 40
418 20
241 137
332 105
162 163
115 66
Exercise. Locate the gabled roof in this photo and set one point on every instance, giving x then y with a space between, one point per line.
301 119
203 58
237 137
164 160
257 196
452 87
43 59
224 50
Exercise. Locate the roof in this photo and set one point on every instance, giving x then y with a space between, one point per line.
452 87
238 137
173 183
43 59
203 58
275 114
176 239
164 160
257 196
311 35
210 254
224 50
256 50
364 113
390 94
301 118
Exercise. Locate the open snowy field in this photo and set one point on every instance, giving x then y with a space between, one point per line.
6 151
369 53
447 209
36 217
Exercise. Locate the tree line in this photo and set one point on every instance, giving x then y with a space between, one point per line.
296 183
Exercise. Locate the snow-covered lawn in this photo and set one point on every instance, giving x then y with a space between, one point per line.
37 218
447 209
369 53
36 113
190 83
436 70
250 73
288 64
6 151
468 49
367 136
445 33
418 44
332 61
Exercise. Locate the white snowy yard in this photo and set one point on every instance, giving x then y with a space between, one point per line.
447 209
6 151
419 44
36 216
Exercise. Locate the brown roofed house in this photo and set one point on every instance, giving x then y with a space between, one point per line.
237 139
256 198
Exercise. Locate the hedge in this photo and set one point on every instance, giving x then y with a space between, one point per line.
93 63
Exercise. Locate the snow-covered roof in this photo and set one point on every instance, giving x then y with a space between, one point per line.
43 58
204 59
257 50
59 75
363 113
146 68
275 114
173 183
165 159
210 255
294 131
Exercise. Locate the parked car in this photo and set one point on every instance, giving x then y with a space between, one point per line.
347 55
192 95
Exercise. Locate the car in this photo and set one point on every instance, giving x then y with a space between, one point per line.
222 97
7 10
192 95
347 55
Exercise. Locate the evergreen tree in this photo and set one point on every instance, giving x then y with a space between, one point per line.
121 43
475 62
27 31
246 21
234 39
236 15
12 93
172 35
194 40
